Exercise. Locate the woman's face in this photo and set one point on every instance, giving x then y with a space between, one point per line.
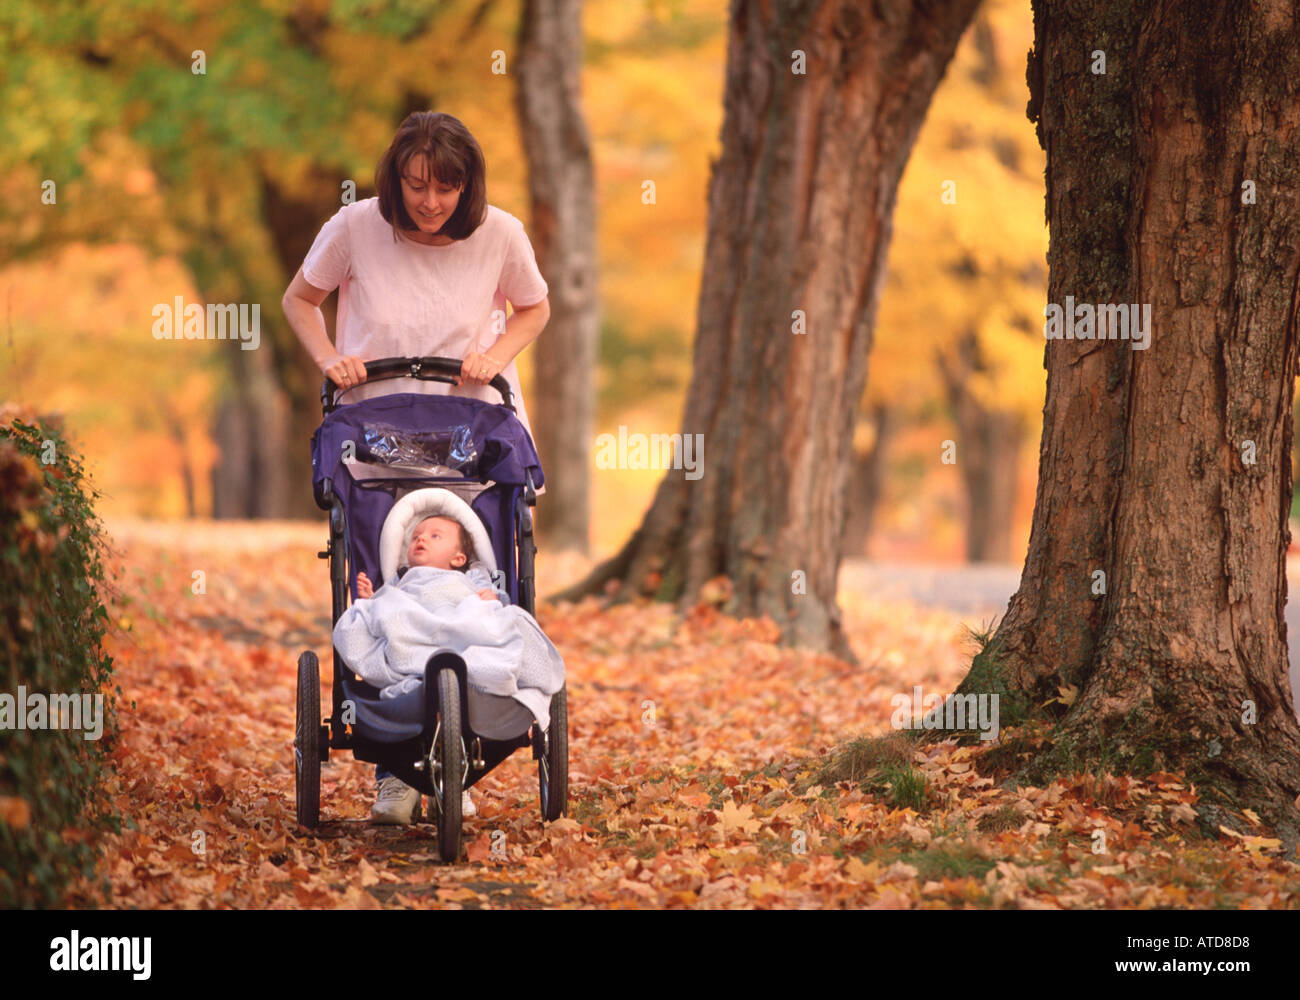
429 202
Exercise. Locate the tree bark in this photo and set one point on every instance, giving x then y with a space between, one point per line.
988 453
1145 471
562 192
800 208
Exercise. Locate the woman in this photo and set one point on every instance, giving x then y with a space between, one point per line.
424 268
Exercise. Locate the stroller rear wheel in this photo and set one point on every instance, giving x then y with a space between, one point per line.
553 761
306 741
447 767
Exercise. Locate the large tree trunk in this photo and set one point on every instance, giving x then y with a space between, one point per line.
800 208
1145 469
562 189
988 454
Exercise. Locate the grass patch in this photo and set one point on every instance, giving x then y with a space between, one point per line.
881 765
585 810
1005 818
986 676
947 862
982 636
865 757
907 787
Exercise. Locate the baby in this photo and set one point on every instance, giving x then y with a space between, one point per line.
440 542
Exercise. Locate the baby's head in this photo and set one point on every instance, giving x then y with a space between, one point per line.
441 542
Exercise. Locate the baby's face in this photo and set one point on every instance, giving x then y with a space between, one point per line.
436 543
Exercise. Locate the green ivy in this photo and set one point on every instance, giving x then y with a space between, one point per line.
53 800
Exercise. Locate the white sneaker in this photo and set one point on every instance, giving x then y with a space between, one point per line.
396 802
467 807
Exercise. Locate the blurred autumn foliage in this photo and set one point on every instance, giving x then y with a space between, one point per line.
52 621
171 192
164 190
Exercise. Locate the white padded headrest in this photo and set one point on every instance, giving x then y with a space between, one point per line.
431 502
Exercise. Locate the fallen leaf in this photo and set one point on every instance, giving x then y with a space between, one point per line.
741 818
1257 844
859 872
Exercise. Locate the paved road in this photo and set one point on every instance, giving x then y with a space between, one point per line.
980 592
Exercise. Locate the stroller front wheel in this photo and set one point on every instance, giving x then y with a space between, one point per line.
447 768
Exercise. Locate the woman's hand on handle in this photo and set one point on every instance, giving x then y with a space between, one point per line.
344 371
479 369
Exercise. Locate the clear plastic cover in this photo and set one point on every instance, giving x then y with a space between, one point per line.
439 452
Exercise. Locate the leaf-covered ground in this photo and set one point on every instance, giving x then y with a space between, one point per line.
696 745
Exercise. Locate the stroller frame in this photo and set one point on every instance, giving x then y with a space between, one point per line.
427 740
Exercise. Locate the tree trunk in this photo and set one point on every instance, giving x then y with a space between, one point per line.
293 217
1146 467
250 479
823 103
866 477
180 437
988 453
562 191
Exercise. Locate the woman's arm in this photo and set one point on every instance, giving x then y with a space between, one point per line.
523 327
301 304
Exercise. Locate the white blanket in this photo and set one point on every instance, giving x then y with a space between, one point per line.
389 638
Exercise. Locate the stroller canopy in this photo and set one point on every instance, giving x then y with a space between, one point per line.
420 435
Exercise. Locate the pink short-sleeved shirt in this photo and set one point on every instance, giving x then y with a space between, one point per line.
405 299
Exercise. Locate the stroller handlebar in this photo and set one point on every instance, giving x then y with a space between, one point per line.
428 369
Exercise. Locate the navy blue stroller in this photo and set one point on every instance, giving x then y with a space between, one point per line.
444 736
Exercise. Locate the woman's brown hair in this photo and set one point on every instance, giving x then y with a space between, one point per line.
454 158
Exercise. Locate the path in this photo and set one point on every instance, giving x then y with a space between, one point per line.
694 749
